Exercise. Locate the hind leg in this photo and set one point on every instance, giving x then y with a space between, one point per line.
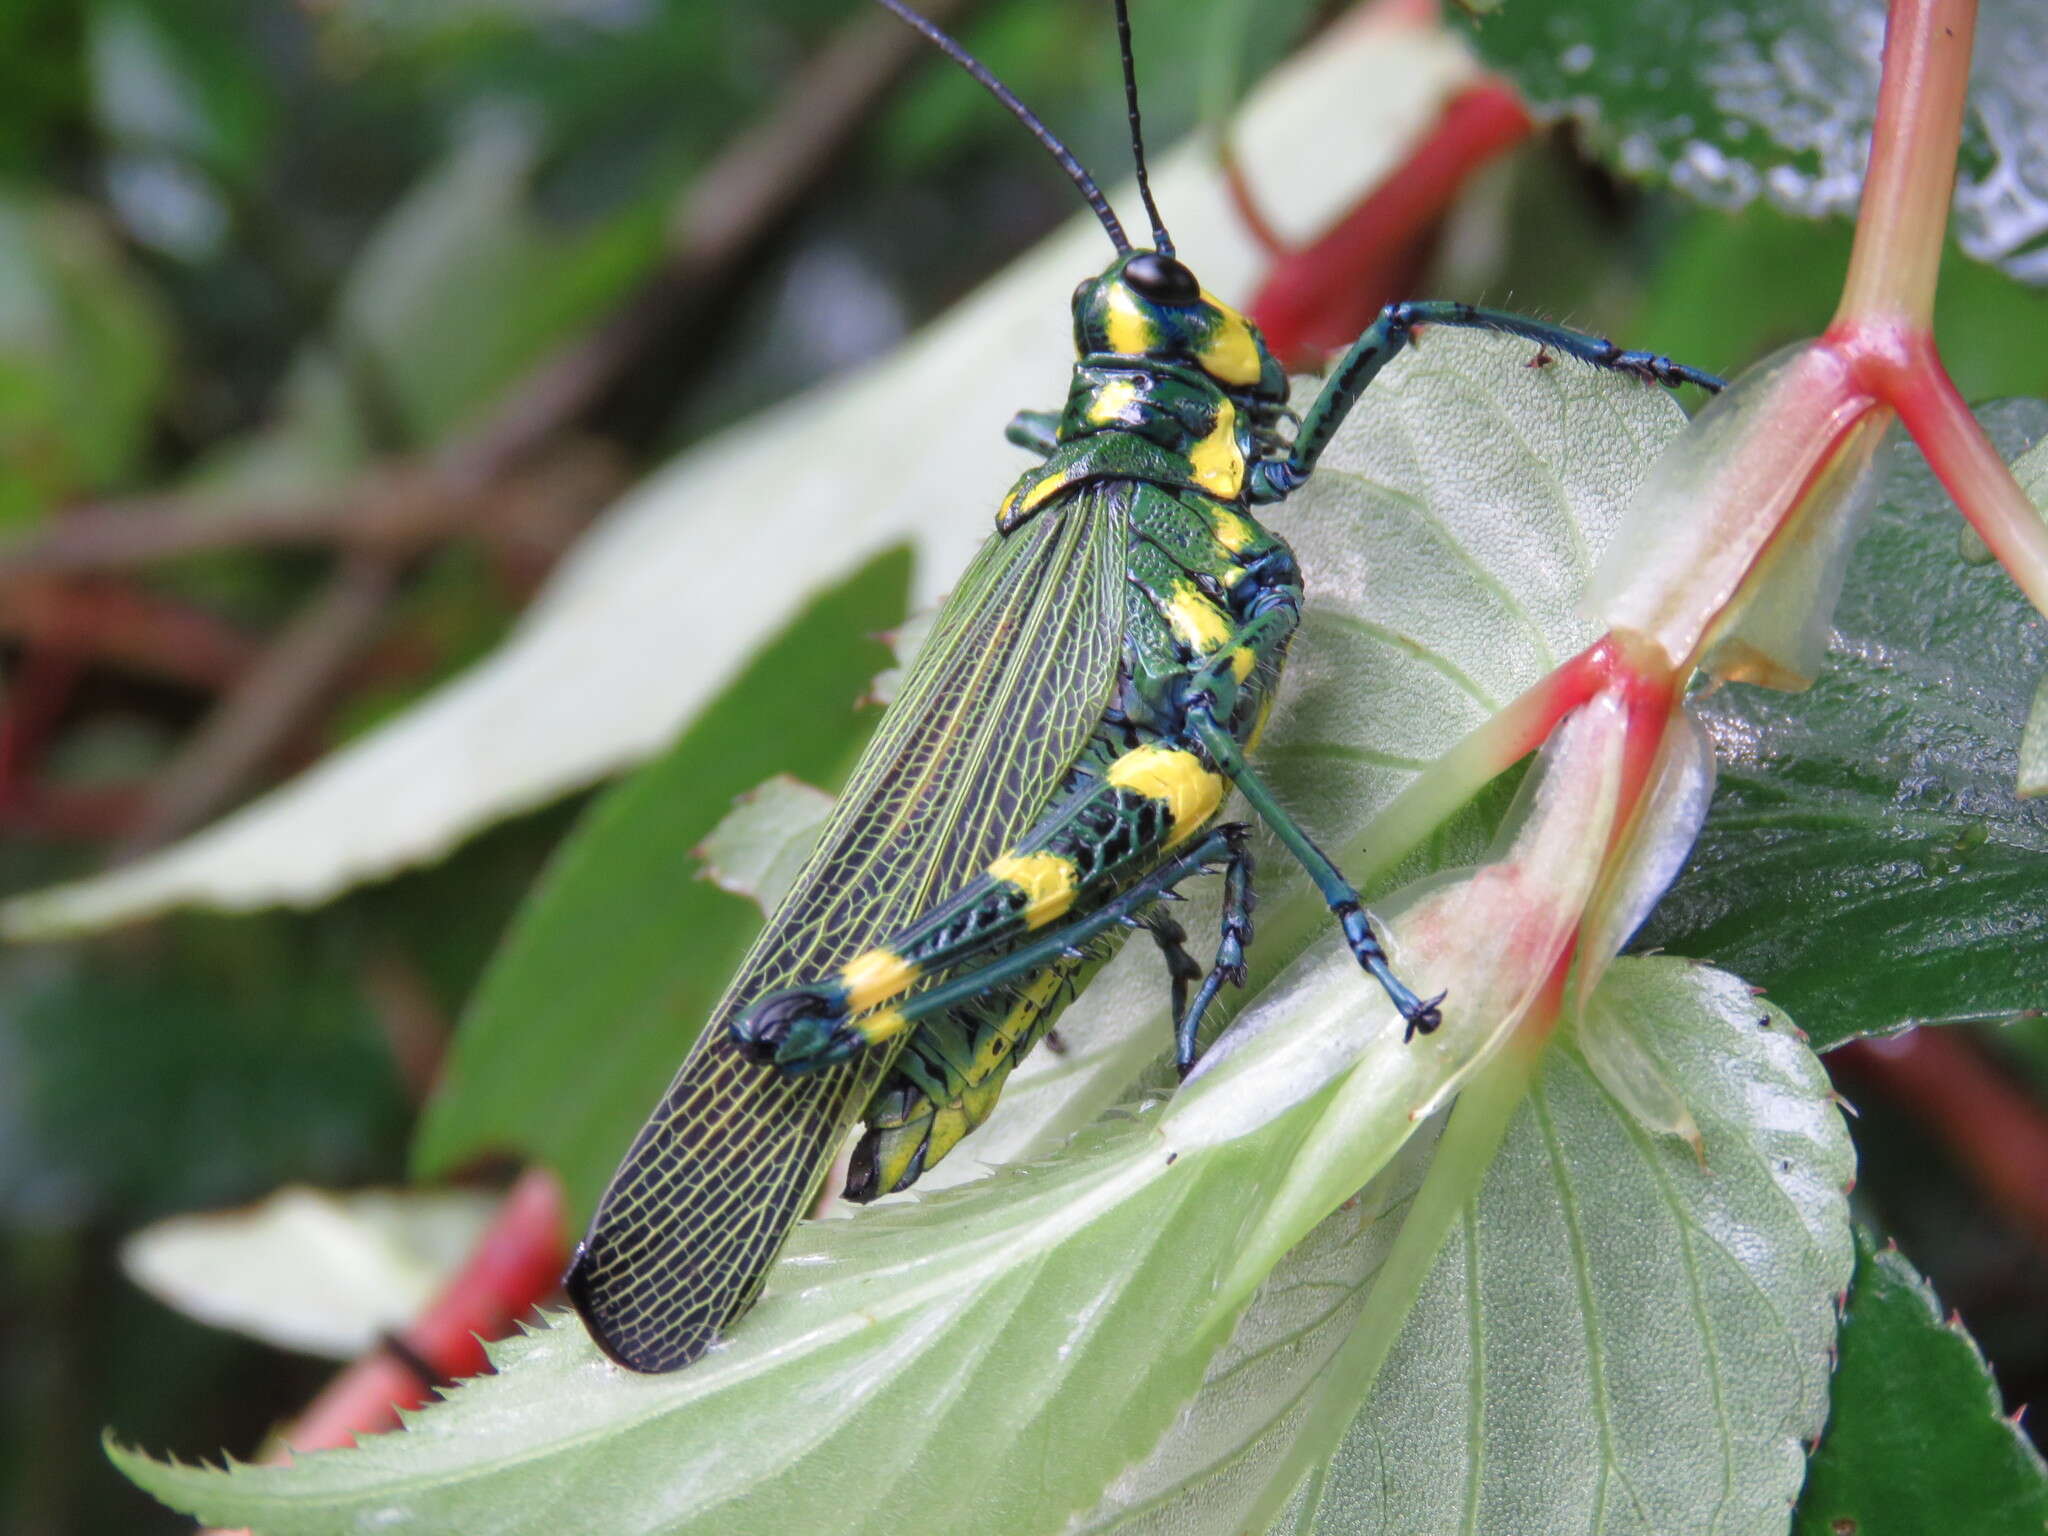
1230 956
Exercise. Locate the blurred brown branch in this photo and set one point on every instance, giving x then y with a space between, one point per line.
527 450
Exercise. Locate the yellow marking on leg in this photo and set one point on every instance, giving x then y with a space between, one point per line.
1217 460
1112 401
884 1024
874 976
1231 354
1251 742
1197 622
1130 330
1191 792
1046 879
1242 661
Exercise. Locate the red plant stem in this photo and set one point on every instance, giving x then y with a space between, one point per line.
1883 326
37 696
1326 293
62 814
1900 365
124 623
514 1265
1903 217
1989 1125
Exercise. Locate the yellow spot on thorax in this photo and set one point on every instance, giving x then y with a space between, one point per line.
1013 507
1046 879
1234 532
1130 329
1217 460
1112 401
874 976
1230 356
1197 622
1191 792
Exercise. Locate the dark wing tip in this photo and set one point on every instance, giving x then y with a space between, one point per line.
666 1340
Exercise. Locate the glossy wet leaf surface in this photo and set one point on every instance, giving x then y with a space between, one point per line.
1774 99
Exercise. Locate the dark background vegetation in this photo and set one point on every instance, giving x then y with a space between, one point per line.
192 199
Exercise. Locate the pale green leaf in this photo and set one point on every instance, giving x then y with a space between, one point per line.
304 1269
1060 1313
763 841
1618 1337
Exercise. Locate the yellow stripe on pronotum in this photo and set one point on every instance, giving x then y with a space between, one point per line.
1112 402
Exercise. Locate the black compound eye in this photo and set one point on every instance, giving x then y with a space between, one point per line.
1162 279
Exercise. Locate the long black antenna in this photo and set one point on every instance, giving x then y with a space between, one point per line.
1161 240
1039 131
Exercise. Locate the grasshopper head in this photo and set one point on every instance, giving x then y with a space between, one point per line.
1147 305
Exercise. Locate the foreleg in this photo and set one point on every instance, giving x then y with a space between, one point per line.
1275 479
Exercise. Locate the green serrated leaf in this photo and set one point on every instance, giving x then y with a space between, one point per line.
624 948
1917 1440
1866 859
1591 1314
1060 1312
1733 99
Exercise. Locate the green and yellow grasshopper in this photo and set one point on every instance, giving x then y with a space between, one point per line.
1051 769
